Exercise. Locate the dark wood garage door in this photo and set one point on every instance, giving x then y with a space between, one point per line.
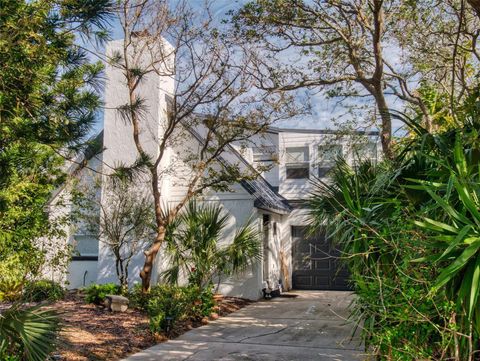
315 263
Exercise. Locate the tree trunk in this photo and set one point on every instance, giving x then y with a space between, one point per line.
377 79
150 255
386 131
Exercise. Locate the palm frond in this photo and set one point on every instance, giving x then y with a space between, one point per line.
193 245
31 331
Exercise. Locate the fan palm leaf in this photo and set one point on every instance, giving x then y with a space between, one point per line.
31 331
194 250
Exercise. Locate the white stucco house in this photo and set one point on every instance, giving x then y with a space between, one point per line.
276 199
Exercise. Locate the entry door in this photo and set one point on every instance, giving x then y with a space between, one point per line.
315 263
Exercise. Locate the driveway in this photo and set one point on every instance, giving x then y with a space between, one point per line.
310 326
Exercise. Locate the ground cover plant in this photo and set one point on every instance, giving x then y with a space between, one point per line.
96 293
409 232
28 333
166 305
43 290
91 332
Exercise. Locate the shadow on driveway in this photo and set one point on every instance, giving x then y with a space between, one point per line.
311 326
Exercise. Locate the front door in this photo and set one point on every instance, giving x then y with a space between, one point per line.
315 263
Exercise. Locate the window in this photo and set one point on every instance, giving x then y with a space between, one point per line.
85 247
264 154
297 163
365 151
327 154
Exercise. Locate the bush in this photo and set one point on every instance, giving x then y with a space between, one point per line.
166 305
97 293
202 301
138 299
37 291
408 229
11 278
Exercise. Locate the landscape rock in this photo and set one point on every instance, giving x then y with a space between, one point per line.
116 303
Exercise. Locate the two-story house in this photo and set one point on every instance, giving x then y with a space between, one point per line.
289 158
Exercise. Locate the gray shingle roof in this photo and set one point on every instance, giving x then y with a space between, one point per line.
266 197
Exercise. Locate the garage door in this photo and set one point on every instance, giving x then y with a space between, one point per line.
315 263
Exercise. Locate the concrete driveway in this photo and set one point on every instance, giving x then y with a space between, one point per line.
310 326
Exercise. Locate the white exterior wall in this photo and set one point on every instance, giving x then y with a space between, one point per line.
59 208
266 139
78 273
279 252
275 252
297 189
119 146
238 203
82 273
249 283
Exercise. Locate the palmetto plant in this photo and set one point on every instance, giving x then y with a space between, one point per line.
454 230
351 205
354 207
29 334
409 229
194 249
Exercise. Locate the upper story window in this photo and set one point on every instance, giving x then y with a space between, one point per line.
264 154
365 151
297 162
327 154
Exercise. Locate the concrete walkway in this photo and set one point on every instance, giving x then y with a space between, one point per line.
310 326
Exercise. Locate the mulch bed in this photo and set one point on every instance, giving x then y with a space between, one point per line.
93 333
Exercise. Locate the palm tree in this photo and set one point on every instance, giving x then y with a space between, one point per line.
192 245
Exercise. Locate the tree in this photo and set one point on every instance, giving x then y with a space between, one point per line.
408 230
47 105
213 104
124 222
192 246
439 46
336 45
387 49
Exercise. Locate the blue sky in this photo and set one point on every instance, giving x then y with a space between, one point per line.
325 112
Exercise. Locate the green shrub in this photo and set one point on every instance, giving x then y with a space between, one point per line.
97 293
201 300
12 277
37 291
408 229
138 299
193 246
167 305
